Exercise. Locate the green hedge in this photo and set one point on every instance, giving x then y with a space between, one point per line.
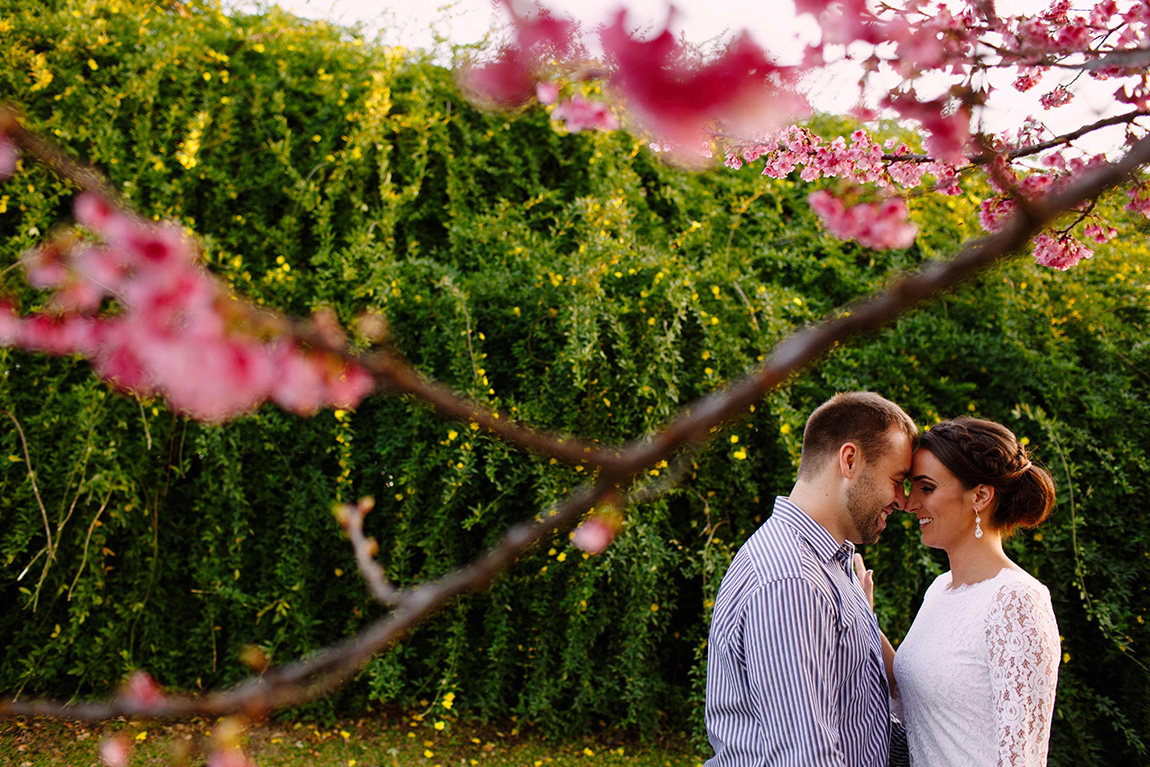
575 282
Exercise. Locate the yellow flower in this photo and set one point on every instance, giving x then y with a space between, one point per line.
428 753
439 725
740 454
785 428
588 752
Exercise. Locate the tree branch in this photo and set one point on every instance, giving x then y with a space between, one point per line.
1066 138
311 678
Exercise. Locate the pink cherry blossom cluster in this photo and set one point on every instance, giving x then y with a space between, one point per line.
1059 251
879 225
179 332
1139 195
861 161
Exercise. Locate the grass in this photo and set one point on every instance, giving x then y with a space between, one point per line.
393 739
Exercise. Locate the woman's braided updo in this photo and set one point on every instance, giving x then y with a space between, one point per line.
982 452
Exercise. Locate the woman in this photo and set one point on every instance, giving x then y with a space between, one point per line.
977 671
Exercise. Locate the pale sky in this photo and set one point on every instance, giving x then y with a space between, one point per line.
772 24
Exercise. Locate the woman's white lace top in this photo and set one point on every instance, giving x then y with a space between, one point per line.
977 671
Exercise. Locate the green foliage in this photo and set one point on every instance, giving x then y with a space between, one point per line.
572 281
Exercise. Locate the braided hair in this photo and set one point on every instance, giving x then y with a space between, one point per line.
980 452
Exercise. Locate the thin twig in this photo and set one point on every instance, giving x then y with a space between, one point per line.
365 550
39 502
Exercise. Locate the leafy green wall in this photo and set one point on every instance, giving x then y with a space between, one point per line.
573 281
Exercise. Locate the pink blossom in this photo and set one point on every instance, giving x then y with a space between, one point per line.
115 751
347 383
596 533
10 324
547 93
1139 195
578 113
1028 79
141 690
948 125
505 82
1101 233
1061 252
742 90
510 80
228 756
881 225
179 332
1056 98
995 211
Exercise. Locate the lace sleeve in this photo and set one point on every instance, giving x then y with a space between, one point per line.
1022 642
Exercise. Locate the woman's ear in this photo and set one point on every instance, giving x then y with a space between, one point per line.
983 498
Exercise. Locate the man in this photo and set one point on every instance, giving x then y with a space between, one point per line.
795 672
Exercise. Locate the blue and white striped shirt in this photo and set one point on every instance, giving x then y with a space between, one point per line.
795 673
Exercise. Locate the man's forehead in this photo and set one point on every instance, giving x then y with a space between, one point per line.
899 453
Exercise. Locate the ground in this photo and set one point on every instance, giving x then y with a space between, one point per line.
384 739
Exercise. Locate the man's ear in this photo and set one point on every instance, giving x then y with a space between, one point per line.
850 459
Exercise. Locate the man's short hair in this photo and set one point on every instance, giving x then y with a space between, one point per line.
861 417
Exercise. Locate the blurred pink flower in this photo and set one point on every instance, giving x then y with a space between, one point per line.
511 79
596 533
578 113
141 690
547 93
879 225
740 92
228 757
115 751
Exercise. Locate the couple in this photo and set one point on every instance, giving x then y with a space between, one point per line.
798 671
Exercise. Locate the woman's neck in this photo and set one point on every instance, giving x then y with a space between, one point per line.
977 559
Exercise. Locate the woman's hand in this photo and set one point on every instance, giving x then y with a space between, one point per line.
866 580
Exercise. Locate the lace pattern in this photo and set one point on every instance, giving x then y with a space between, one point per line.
977 673
1022 644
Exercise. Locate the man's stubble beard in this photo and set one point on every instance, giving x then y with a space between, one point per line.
864 505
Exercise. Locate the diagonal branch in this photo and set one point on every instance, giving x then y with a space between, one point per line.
1026 151
311 678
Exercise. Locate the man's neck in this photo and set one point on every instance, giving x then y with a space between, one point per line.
821 505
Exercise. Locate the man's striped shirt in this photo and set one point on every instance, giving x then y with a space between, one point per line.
795 674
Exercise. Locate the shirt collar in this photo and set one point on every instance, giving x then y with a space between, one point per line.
824 544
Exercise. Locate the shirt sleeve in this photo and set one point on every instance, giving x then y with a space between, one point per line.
1023 646
789 636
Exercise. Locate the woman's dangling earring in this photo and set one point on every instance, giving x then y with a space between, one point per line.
977 525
